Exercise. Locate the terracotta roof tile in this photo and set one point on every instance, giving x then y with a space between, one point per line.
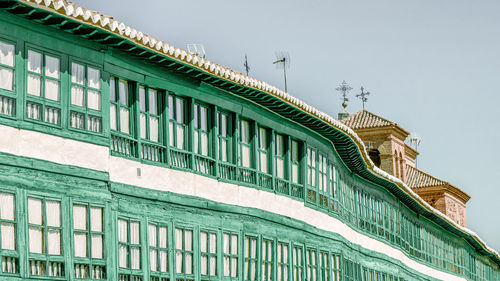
365 119
416 178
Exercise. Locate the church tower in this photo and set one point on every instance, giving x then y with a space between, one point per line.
385 142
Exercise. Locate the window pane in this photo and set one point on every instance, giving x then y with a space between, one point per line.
142 125
203 241
54 242
53 213
6 205
188 240
152 236
203 118
8 234
94 78
77 95
195 117
245 131
97 246
112 118
35 237
153 102
52 89
180 136
34 84
96 219
163 237
153 256
34 62
263 161
142 98
171 107
124 120
80 217
6 78
122 231
223 125
6 54
123 91
77 73
134 233
112 90
263 138
135 258
153 128
245 156
122 256
179 104
34 211
80 241
52 67
94 100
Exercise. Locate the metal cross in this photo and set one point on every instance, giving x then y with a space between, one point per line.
363 96
247 67
344 89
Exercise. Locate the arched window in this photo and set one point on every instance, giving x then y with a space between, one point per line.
396 164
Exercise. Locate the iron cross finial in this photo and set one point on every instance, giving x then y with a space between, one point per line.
344 89
363 96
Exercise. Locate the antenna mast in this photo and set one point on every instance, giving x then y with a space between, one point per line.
247 67
283 60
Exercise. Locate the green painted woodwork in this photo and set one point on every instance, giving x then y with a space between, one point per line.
367 203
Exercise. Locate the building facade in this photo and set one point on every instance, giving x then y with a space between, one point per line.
124 158
387 141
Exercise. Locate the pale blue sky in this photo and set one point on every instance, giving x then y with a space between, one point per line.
431 66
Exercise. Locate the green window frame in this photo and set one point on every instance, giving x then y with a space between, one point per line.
230 245
208 255
323 180
201 133
159 264
43 86
129 248
281 148
336 260
184 253
324 270
332 181
120 111
311 264
245 143
311 167
224 136
7 72
88 241
45 236
250 258
150 125
283 260
178 125
298 263
295 158
268 259
9 256
263 150
86 96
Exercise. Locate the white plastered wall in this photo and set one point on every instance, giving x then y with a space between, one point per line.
70 152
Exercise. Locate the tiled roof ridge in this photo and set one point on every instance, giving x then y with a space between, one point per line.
413 179
366 119
78 13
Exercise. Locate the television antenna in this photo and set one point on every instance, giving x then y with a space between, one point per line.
363 96
415 140
283 61
247 67
196 49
